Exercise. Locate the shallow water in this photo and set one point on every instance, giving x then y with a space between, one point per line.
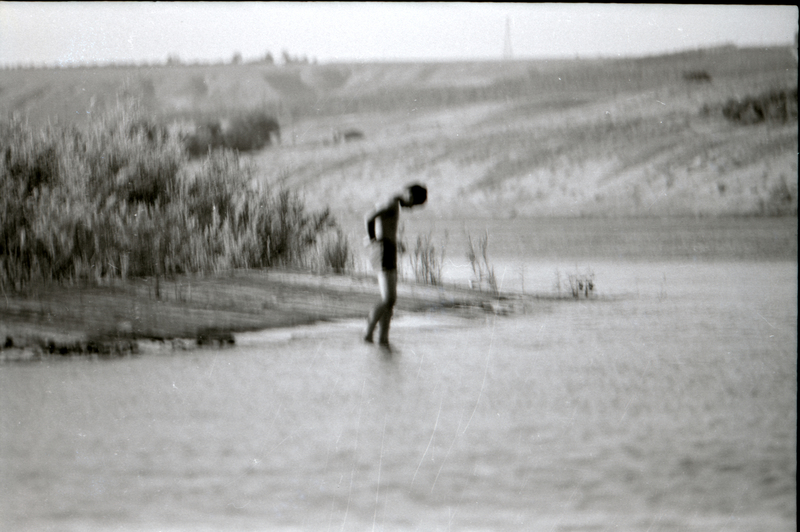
667 403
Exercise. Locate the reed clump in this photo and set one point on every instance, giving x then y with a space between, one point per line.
478 256
427 261
117 199
579 283
333 253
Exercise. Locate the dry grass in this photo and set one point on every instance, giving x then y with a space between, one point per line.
478 256
427 261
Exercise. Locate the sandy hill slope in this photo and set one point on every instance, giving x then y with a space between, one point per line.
643 136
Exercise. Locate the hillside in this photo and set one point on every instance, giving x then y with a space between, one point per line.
642 136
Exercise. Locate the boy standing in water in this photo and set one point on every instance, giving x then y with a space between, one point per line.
382 231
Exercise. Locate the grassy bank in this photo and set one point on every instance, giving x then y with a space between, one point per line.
188 311
111 235
118 199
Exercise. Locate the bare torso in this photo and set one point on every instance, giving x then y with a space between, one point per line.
387 220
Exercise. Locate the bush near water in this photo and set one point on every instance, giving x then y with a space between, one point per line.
116 199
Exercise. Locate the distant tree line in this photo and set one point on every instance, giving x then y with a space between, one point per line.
172 60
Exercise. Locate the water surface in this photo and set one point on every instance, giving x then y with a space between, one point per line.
666 403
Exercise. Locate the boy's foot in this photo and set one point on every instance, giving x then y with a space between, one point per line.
367 334
385 347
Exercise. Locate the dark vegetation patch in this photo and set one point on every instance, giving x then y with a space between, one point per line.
778 106
348 135
697 76
247 132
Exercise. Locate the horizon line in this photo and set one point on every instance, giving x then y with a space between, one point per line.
32 65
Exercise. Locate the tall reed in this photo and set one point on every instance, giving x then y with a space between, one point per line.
426 261
478 256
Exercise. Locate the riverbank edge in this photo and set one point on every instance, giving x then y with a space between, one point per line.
123 318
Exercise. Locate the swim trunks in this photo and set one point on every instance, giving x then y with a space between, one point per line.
389 259
384 255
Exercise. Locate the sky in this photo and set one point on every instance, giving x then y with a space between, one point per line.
73 33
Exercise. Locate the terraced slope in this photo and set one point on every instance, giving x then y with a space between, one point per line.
642 136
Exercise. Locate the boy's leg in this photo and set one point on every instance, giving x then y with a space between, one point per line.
376 314
388 284
372 321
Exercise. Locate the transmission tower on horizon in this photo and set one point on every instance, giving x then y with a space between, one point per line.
507 51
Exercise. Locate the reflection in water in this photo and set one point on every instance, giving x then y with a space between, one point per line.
672 406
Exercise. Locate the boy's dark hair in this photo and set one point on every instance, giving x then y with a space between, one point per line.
418 193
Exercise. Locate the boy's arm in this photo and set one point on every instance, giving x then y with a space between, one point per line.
369 219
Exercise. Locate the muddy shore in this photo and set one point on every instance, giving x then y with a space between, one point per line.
188 312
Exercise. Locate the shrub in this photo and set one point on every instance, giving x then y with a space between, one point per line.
247 132
29 164
252 132
208 136
773 106
333 252
581 283
347 136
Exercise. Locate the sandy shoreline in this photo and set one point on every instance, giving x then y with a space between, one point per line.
188 311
